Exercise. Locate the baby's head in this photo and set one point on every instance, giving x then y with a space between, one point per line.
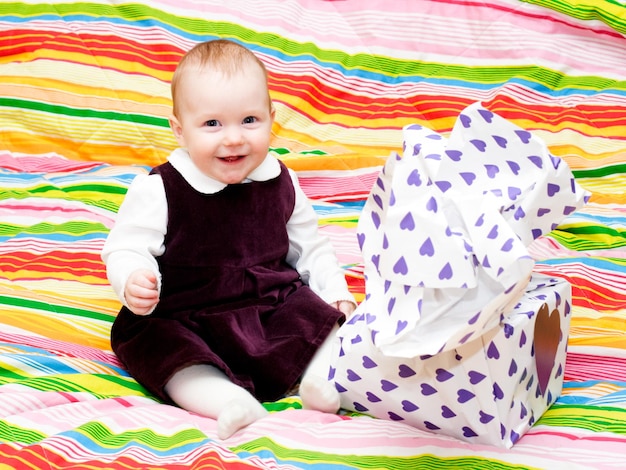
221 55
222 113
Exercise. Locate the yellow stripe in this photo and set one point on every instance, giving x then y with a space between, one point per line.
58 327
100 62
83 128
349 161
613 184
600 389
86 80
100 298
27 143
82 97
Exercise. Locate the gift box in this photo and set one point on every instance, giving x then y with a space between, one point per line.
444 235
490 390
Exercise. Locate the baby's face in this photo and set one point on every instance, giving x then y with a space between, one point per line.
224 121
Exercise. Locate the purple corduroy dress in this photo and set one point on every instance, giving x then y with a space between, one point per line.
228 296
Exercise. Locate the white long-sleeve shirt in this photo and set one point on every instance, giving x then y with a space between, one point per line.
139 232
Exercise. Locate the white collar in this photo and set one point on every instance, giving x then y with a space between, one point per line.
180 159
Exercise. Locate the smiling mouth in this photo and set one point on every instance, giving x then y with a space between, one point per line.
232 158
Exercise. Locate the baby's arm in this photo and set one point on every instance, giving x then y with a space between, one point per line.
134 242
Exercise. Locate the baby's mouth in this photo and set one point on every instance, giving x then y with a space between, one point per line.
232 158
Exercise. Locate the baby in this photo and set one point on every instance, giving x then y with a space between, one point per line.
230 296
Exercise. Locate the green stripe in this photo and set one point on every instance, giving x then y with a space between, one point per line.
593 237
96 188
91 194
54 384
287 403
108 388
594 418
83 112
44 228
12 433
286 151
9 375
297 457
601 171
103 436
87 187
128 383
37 305
593 10
201 29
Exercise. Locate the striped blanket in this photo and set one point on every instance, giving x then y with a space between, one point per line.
84 105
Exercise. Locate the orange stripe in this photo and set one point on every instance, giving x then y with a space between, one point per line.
23 142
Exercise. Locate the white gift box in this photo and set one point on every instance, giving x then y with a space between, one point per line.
444 236
490 390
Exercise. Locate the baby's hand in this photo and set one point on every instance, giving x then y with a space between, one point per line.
141 292
344 306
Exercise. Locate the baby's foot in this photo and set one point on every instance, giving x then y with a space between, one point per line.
238 415
319 394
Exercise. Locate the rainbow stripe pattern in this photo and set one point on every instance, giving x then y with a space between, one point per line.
84 106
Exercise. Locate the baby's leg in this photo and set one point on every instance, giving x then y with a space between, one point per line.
316 391
206 390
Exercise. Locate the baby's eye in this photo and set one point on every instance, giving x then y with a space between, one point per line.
249 120
212 123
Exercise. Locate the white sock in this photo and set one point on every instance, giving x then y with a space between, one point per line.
237 415
319 394
316 391
206 390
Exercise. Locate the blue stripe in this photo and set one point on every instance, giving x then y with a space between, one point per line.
348 72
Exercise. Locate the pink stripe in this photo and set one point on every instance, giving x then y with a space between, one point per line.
62 349
590 367
42 163
38 212
414 30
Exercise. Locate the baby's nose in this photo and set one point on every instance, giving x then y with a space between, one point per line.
233 135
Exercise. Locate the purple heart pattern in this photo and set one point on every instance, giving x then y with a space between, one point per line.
444 236
490 390
450 220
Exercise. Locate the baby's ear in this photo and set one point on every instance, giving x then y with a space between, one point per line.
177 129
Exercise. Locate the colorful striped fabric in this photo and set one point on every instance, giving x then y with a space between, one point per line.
84 105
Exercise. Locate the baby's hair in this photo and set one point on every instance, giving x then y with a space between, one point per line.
226 56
